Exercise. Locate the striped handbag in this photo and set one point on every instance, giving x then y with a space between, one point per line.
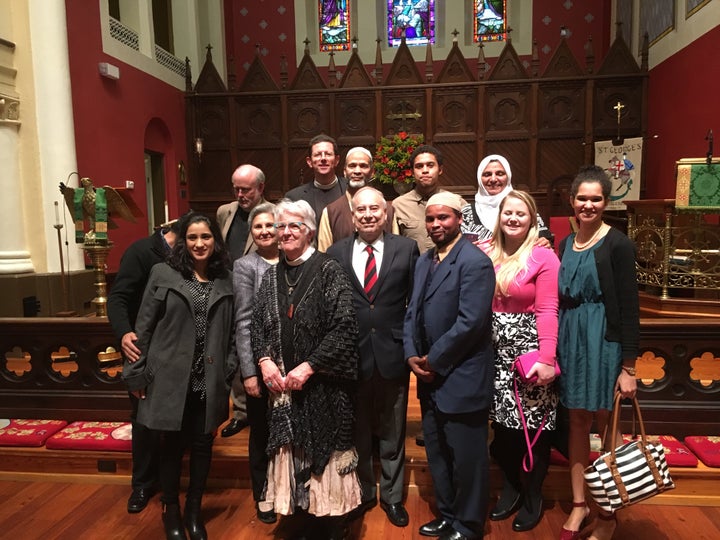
629 473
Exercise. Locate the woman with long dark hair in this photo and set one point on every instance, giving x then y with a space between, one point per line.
183 377
599 333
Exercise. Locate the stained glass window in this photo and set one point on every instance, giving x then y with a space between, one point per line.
413 19
489 20
334 19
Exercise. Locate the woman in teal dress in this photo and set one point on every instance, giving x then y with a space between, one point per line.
599 331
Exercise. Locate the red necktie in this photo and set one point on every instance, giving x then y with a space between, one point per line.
370 273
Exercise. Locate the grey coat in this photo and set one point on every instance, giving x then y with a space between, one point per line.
248 272
166 334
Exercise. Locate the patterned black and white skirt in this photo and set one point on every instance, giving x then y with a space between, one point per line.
515 334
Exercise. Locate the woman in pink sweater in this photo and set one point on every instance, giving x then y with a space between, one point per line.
525 318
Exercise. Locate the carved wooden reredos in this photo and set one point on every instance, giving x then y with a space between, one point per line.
544 124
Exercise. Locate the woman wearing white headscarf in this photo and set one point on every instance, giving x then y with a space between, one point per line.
494 183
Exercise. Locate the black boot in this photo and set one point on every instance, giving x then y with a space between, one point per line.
508 502
193 520
172 521
532 504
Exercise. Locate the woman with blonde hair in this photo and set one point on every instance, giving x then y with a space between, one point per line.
525 318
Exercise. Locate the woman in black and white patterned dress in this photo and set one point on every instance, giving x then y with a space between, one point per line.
525 318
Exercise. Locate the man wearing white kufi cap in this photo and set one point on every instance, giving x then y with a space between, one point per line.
336 221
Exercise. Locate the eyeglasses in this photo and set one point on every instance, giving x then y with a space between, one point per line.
294 226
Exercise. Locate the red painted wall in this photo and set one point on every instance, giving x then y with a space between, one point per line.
111 123
683 104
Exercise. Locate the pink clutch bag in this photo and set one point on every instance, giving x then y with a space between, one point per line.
525 362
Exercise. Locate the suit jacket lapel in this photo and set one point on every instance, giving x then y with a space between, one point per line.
389 252
347 256
443 270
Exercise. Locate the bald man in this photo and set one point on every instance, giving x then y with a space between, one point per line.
248 184
336 221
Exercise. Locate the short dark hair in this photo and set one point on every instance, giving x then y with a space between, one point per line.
323 138
592 174
426 149
180 258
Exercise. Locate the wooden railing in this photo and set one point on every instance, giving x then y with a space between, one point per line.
68 369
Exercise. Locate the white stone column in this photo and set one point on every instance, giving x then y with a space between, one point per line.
56 130
14 254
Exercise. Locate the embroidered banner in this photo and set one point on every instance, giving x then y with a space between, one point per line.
623 164
698 185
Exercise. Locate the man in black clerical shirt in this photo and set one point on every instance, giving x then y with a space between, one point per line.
248 185
326 187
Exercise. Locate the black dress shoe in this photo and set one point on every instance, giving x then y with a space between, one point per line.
236 425
267 516
420 439
436 527
396 513
139 499
505 508
454 535
528 516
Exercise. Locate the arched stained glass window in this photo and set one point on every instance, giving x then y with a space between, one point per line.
412 19
489 20
334 19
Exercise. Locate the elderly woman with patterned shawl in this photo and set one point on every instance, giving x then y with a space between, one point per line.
304 334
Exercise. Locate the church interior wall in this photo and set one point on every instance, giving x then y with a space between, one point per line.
111 118
682 107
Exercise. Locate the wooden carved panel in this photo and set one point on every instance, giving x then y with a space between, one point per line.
459 167
211 186
212 118
404 111
455 111
561 110
558 157
258 122
607 95
308 116
355 115
508 112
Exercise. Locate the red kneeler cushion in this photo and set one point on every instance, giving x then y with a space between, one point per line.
676 453
18 432
706 448
113 436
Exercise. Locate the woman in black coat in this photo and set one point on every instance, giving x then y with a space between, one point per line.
183 377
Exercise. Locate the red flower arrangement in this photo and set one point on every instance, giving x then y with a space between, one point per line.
392 157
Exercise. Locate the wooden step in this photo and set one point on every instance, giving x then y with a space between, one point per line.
694 486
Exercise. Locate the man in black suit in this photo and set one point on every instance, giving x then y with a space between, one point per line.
448 345
380 266
325 187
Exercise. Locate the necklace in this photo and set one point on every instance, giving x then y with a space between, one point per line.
291 288
584 245
292 284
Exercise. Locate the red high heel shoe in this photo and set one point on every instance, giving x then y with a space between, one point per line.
566 534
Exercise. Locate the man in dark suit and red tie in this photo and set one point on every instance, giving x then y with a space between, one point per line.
448 345
380 266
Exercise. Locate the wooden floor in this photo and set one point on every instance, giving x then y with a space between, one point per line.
59 510
63 494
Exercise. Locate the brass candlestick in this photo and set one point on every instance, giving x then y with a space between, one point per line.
98 256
